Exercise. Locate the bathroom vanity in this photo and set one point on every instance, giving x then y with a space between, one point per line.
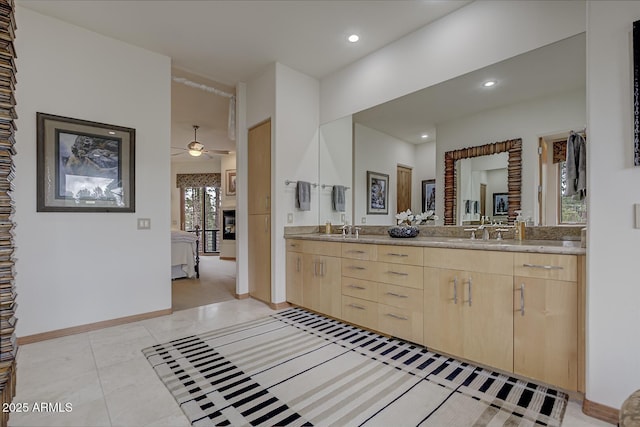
514 306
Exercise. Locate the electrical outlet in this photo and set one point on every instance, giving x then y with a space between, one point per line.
144 223
290 218
342 217
363 220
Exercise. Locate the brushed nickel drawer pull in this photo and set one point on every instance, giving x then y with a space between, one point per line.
397 273
394 254
393 294
298 264
395 316
455 290
522 299
353 251
359 307
355 267
545 267
357 287
469 285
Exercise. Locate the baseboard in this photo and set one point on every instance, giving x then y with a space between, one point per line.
91 327
228 258
601 412
242 296
279 305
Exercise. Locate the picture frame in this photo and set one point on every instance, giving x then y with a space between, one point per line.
500 204
377 193
84 166
230 178
428 195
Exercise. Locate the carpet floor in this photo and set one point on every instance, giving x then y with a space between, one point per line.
217 283
299 368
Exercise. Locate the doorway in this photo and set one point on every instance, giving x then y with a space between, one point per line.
200 209
403 188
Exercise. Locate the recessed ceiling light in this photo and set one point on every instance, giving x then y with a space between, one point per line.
424 136
111 132
489 83
353 38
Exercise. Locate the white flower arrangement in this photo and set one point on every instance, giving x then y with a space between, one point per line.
408 218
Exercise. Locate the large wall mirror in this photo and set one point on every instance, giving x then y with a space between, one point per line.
537 94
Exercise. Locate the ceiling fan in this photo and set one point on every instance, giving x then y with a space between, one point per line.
196 149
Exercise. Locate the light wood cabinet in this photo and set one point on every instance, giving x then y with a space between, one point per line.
294 277
321 284
469 314
360 312
546 319
259 253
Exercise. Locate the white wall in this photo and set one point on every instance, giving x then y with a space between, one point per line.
468 39
80 268
527 120
207 166
296 158
613 365
335 168
381 153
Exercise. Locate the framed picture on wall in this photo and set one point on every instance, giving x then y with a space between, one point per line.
231 182
500 204
428 195
377 193
84 166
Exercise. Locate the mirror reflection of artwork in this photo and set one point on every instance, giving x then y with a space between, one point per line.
500 204
88 167
428 195
378 193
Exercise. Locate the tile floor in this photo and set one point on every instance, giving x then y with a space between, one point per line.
108 382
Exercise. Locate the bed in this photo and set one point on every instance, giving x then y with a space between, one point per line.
184 254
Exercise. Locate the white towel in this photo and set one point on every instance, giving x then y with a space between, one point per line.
303 196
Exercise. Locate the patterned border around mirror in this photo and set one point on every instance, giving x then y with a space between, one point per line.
514 173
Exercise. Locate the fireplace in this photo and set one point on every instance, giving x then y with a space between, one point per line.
229 224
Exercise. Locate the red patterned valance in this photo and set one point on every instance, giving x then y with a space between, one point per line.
190 180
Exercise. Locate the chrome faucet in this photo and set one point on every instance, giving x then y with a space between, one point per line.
485 231
347 230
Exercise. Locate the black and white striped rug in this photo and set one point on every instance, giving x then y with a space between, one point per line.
298 368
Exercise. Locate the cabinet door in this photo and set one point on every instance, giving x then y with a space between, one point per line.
545 331
488 319
259 169
443 310
311 281
322 286
259 253
294 277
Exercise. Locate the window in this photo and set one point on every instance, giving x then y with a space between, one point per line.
201 208
571 209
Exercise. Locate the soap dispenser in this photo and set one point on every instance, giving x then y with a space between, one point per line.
520 225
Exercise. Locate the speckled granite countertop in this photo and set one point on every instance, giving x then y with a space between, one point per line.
568 247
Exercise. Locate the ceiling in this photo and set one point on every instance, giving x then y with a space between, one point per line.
230 41
553 69
220 43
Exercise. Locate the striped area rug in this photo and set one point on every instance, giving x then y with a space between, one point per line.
300 369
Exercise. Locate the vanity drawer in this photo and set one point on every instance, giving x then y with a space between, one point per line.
400 254
360 312
401 323
410 299
294 245
359 251
366 270
493 262
546 266
322 248
358 288
399 274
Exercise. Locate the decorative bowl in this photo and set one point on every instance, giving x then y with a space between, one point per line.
403 231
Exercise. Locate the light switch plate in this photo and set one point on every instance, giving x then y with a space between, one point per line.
144 223
289 218
363 220
342 217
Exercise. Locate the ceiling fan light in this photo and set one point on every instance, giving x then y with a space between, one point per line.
195 153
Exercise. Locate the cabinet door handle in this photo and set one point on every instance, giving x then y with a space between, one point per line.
455 290
298 264
267 199
355 267
359 307
394 254
469 285
397 273
357 287
522 299
545 267
323 269
395 316
352 251
393 294
266 224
